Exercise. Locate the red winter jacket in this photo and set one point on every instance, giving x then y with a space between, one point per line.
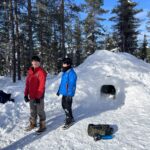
35 83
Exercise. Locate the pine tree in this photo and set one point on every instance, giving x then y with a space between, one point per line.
4 38
78 42
63 28
93 27
13 43
16 12
30 33
126 25
144 48
71 16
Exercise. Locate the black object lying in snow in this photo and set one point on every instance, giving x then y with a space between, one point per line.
4 97
100 131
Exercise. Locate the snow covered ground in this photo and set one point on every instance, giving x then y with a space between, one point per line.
128 113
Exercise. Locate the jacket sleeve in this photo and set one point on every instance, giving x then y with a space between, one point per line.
41 88
26 91
71 84
58 92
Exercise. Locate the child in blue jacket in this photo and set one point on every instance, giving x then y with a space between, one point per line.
67 89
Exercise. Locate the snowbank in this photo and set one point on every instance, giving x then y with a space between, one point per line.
129 112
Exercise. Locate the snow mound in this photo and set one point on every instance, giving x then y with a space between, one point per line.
128 113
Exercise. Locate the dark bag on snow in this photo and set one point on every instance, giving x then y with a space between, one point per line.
4 97
100 129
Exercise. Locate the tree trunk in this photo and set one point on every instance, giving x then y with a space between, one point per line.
63 29
17 41
30 34
13 42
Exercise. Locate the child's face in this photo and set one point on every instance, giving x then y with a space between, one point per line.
65 65
35 64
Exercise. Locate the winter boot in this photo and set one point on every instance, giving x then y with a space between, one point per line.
42 127
69 122
31 126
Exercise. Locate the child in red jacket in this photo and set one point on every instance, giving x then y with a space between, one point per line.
34 94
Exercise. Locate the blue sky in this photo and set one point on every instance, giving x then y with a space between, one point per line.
143 4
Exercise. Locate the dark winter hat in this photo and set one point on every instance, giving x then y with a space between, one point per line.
36 58
67 61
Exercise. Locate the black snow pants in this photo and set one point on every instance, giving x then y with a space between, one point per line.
67 107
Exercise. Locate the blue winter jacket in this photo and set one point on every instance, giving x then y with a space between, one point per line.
68 83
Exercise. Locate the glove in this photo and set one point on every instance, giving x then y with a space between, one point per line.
26 99
37 101
57 93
